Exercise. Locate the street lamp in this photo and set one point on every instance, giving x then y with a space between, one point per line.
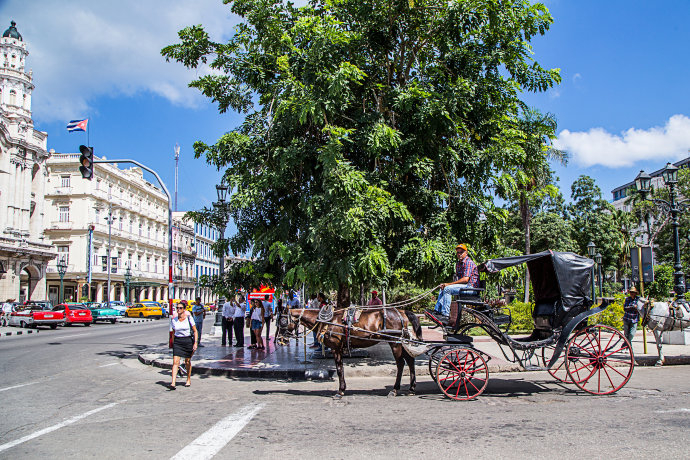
670 176
591 250
597 259
128 278
62 269
221 207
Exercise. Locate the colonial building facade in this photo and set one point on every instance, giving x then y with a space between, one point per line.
206 262
79 210
24 255
184 255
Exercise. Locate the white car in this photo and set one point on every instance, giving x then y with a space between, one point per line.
117 305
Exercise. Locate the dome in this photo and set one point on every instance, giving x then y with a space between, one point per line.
12 32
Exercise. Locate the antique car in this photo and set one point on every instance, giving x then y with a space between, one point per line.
101 312
118 305
34 315
75 313
145 310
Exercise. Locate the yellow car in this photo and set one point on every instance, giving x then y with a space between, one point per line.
145 309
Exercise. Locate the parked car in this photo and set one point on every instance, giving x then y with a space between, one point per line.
118 305
163 305
45 304
34 316
140 310
101 312
75 313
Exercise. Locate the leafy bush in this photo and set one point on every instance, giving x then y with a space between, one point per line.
662 286
521 313
408 291
613 315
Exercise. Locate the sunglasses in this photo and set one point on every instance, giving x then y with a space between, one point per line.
179 308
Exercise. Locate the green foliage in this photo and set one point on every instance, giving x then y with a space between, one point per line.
552 231
521 314
613 315
406 291
662 286
373 129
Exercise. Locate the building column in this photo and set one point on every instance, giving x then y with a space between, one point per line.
99 292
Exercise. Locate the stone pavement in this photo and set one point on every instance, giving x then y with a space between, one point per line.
288 362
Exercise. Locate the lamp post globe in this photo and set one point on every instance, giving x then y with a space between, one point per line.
591 249
62 269
598 259
128 278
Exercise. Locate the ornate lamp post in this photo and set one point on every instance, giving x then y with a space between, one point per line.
591 250
128 278
62 269
221 207
643 185
597 259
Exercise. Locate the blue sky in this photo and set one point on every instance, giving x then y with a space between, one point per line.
622 105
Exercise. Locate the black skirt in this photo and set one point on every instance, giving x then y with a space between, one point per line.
183 346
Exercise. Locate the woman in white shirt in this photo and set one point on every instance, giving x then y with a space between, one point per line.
257 318
183 340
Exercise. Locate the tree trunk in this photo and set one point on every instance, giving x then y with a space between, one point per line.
524 214
343 300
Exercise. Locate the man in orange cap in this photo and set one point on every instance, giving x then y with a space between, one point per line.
466 276
375 300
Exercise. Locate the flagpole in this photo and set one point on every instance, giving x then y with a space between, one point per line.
88 132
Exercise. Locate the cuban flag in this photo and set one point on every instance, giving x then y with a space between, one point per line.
77 125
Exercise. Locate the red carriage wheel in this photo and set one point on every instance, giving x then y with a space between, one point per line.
599 360
462 374
559 370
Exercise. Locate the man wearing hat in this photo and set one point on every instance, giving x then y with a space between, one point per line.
466 276
630 314
375 299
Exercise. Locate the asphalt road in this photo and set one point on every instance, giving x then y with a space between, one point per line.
81 393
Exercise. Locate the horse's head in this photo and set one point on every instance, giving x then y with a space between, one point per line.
288 325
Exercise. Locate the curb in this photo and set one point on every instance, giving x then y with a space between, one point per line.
30 331
286 374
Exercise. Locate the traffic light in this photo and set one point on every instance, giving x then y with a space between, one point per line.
86 160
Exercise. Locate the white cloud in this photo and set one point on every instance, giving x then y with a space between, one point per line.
82 50
577 77
599 147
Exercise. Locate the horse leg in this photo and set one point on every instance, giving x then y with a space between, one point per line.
338 358
659 347
400 363
409 359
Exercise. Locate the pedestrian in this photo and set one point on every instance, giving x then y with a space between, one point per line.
268 316
257 316
374 299
227 321
238 320
631 314
183 341
465 279
280 311
293 301
199 313
7 311
321 301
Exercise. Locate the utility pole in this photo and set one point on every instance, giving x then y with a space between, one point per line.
109 263
177 161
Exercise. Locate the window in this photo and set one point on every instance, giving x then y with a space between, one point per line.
113 265
104 264
131 223
63 254
98 184
64 181
148 232
121 219
64 213
141 228
139 262
13 96
148 261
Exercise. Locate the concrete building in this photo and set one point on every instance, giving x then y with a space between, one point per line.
623 192
24 255
139 231
206 262
184 257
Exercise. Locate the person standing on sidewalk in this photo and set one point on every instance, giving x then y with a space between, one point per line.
183 341
238 321
199 313
268 316
631 314
227 322
257 317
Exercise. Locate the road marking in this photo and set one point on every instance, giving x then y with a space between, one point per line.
38 433
111 364
211 442
672 411
17 386
72 336
130 336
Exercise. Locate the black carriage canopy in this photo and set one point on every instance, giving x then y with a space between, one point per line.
563 275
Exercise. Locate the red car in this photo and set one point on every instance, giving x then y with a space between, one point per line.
34 316
75 313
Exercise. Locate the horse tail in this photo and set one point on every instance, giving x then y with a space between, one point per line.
416 325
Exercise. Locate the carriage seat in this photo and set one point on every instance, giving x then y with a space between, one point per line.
544 313
472 294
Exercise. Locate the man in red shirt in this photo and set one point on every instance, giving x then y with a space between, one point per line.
466 276
375 299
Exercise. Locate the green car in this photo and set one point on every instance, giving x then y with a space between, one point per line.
101 312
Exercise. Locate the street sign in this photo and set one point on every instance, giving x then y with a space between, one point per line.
647 264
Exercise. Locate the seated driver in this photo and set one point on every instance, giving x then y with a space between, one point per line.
466 276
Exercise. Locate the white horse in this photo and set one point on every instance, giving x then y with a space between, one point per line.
661 317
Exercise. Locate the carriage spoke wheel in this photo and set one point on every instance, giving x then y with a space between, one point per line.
558 370
599 360
462 374
434 358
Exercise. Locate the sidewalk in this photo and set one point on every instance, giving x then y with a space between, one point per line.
288 362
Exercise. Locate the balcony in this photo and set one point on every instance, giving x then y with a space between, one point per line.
62 191
57 225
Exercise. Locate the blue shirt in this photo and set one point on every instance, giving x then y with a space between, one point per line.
630 310
198 313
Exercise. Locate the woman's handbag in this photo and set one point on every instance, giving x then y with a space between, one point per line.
170 339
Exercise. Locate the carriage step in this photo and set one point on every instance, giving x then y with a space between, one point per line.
459 338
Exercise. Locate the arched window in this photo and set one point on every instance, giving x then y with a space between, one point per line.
13 97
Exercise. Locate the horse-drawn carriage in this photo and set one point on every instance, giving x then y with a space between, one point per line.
596 358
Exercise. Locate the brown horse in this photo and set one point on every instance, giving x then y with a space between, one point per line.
363 333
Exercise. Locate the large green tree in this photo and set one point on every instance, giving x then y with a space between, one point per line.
374 130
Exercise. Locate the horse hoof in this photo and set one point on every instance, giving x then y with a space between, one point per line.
392 394
338 396
412 393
